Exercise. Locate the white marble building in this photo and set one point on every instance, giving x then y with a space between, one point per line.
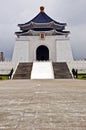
42 38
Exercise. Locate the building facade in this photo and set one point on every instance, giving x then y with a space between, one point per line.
44 39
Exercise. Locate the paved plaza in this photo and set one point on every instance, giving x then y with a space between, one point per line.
43 105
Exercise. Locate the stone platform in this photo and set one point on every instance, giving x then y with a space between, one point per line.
43 105
42 70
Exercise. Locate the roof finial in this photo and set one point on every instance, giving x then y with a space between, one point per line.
42 9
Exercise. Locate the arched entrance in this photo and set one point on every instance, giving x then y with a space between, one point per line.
42 53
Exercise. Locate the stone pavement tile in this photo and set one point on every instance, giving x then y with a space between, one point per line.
43 105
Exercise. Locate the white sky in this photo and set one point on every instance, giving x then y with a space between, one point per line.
73 12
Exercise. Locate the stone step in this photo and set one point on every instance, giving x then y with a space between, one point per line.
61 70
23 71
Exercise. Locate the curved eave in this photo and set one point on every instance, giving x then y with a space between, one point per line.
34 23
43 25
31 32
63 32
38 25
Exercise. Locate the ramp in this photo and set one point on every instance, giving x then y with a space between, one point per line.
42 70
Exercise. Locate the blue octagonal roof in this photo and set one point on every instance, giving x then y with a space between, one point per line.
42 17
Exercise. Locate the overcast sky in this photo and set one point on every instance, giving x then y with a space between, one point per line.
73 12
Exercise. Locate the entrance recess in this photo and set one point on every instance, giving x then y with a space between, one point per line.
42 53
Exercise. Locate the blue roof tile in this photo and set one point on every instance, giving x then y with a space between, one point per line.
42 17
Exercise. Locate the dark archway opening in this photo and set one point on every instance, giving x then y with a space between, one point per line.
42 53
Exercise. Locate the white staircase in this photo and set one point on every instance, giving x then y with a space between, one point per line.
42 70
